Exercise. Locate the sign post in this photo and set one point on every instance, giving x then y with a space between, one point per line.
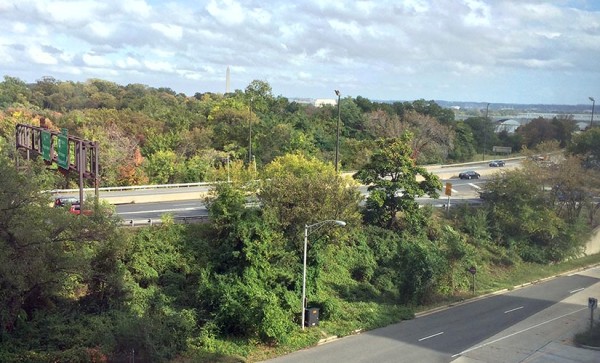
448 192
592 304
473 271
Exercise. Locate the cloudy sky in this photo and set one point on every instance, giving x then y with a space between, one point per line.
498 51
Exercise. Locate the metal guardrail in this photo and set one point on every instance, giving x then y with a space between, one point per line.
151 222
136 187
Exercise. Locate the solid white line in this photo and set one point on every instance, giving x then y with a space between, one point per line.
518 332
574 291
474 186
511 310
431 336
159 211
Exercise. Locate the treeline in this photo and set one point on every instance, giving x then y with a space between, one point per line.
154 135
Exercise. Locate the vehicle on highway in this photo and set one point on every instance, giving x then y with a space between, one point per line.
495 163
469 175
76 209
65 201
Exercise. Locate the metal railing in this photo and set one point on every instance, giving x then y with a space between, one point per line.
136 187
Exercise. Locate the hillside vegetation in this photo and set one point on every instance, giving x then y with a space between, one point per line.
79 289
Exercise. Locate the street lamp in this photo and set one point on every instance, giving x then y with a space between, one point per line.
250 137
337 138
593 104
307 230
485 129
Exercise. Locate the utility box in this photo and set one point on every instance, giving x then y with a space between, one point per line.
311 317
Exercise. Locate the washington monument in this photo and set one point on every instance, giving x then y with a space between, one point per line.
227 81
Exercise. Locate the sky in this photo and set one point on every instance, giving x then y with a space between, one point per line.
497 51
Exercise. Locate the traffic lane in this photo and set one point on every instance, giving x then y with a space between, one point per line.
156 210
542 336
442 335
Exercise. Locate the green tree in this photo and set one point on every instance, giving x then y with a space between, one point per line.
393 183
13 91
523 217
300 190
464 148
587 145
45 251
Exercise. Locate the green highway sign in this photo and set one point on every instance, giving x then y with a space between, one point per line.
46 143
63 150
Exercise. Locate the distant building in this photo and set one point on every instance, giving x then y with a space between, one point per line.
319 102
508 125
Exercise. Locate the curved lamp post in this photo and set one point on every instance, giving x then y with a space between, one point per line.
337 137
593 104
307 229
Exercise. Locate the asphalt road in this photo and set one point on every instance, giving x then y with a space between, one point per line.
506 327
463 191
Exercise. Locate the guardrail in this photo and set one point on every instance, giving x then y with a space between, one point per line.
151 222
136 187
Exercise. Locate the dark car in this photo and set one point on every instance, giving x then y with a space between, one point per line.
65 201
469 175
495 163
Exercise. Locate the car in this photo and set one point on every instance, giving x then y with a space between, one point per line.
76 209
469 175
60 202
495 163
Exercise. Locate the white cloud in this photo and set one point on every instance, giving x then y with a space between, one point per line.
92 60
173 32
39 56
101 29
128 63
227 12
158 66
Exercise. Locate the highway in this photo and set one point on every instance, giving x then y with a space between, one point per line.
508 327
148 204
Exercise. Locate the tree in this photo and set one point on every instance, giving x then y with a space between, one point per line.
45 251
464 148
431 140
381 124
523 217
392 179
259 96
13 91
300 190
587 145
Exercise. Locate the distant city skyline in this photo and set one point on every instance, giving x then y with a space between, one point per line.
512 51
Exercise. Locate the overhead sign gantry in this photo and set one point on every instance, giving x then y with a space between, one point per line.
70 153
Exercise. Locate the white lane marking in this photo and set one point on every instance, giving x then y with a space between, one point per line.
184 204
159 211
431 336
517 332
475 186
511 310
574 291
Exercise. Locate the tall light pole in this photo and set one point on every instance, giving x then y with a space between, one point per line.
593 104
337 137
485 129
250 137
307 229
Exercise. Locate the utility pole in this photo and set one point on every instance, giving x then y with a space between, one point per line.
337 138
485 127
